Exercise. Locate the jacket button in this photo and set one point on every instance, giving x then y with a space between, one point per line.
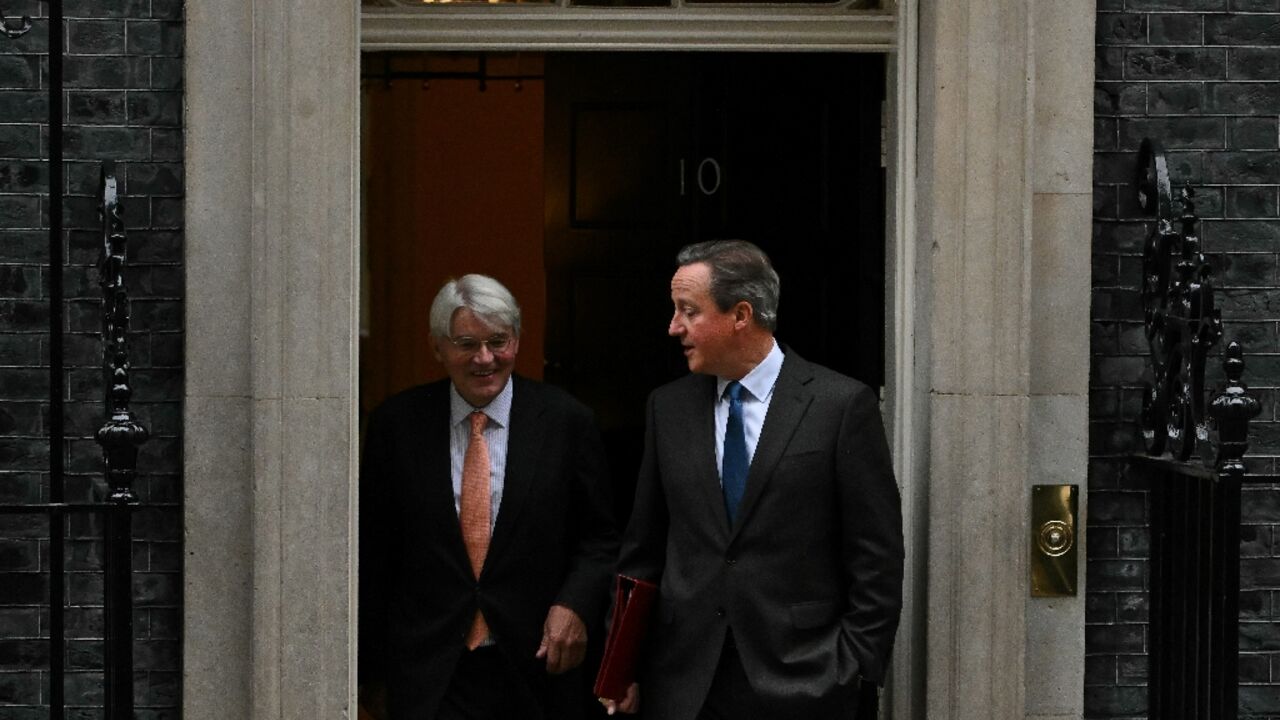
730 561
719 612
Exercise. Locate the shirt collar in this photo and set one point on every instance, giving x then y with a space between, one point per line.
760 381
498 410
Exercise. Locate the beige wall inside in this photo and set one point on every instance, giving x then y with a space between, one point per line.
454 186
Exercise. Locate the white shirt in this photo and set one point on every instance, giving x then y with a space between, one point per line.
496 432
757 392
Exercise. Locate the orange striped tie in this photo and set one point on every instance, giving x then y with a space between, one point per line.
474 512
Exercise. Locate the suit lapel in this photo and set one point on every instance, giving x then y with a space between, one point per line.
431 425
791 399
701 433
524 441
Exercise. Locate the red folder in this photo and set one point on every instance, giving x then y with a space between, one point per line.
631 606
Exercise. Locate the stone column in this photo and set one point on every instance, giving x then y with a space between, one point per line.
217 406
975 200
1004 211
1061 279
271 367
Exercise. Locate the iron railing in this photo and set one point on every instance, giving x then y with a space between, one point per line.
1194 449
119 436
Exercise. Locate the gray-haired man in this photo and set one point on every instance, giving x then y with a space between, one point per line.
487 539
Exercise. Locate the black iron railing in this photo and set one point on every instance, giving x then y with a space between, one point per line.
119 436
1193 459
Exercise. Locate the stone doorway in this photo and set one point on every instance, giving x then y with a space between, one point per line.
978 221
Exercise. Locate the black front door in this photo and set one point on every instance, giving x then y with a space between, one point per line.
648 152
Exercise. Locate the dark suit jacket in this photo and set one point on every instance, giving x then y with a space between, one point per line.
554 543
809 577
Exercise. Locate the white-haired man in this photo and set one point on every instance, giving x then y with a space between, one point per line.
487 537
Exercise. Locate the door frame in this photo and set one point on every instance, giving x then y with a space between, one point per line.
890 31
550 28
978 218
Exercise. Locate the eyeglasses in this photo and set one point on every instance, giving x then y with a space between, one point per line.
497 344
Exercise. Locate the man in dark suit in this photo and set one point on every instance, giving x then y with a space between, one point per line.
487 536
767 512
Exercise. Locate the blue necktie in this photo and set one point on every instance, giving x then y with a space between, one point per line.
733 470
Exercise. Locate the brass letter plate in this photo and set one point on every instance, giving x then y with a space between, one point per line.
1053 540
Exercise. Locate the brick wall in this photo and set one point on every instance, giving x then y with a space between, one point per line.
1199 74
123 75
1203 76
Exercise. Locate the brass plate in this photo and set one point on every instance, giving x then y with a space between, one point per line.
1054 540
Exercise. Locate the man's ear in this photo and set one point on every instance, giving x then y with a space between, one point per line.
743 314
435 347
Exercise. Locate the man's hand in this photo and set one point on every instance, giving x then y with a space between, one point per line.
564 640
630 704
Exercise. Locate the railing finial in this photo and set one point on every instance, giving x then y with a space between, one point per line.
1182 327
1232 410
122 434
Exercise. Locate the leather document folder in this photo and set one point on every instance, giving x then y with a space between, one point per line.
631 606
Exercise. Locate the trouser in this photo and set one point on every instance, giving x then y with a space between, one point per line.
486 687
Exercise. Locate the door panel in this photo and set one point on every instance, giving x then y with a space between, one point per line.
646 153
615 127
617 177
799 139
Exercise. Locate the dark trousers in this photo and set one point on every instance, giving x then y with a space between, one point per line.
486 687
731 697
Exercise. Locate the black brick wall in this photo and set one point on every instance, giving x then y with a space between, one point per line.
1199 74
123 74
1202 76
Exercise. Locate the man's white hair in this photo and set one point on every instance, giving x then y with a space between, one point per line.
489 299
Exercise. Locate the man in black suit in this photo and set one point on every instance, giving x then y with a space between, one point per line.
487 536
767 512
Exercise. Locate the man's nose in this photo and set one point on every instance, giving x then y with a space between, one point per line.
484 355
674 328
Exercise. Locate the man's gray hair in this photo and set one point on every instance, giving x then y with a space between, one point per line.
739 271
489 299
